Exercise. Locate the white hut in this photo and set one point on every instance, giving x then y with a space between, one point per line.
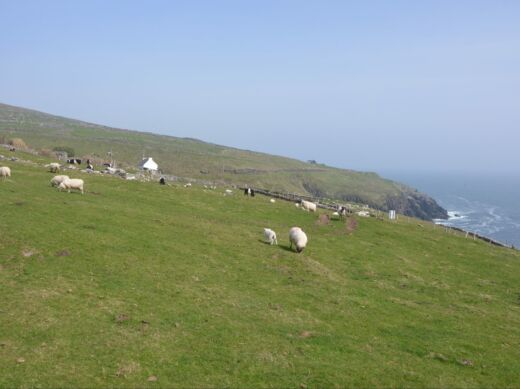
148 164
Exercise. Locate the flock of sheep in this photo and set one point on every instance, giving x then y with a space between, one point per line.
64 182
297 236
61 182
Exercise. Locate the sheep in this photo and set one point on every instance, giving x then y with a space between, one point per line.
187 185
57 180
229 191
335 216
272 201
5 172
54 167
363 213
298 238
270 236
71 183
342 211
308 206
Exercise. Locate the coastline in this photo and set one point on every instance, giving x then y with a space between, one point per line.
475 236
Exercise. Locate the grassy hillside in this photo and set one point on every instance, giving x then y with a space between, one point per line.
135 280
200 160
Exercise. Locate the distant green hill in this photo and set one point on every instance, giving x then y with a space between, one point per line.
134 282
192 158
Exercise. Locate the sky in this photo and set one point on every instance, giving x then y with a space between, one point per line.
367 85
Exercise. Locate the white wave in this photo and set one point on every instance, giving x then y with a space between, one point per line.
455 215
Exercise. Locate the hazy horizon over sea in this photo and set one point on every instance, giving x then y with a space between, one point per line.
487 204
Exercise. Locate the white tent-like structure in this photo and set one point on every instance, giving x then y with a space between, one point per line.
148 164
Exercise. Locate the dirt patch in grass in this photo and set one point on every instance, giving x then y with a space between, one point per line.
27 253
323 220
62 253
351 225
121 318
128 368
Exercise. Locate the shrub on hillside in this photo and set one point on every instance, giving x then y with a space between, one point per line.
67 149
17 143
47 153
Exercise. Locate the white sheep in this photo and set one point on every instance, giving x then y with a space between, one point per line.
298 237
270 236
54 167
72 183
272 201
308 206
5 172
56 180
187 185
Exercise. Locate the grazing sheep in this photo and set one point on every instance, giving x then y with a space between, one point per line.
187 185
342 210
364 213
298 237
54 167
71 183
272 201
57 180
308 206
5 172
270 236
229 191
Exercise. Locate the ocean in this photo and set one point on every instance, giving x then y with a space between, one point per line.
486 204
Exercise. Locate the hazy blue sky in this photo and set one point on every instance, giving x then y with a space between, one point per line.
369 85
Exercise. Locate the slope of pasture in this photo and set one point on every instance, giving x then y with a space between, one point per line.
192 158
133 280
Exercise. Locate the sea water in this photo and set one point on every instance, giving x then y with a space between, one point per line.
488 204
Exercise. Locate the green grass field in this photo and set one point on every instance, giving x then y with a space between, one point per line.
133 280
